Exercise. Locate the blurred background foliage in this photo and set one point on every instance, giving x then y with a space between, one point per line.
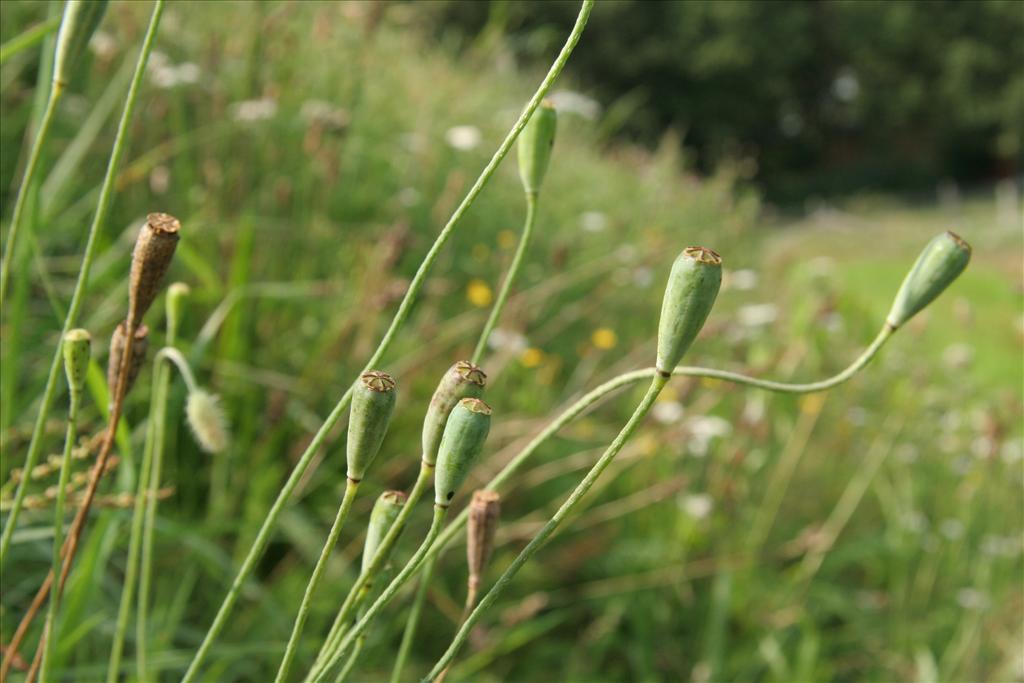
313 150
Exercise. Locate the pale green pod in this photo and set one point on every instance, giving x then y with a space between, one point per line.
81 17
385 511
689 296
373 402
461 444
535 144
941 262
462 380
176 294
76 348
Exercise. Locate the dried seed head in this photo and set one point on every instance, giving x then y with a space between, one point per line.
373 402
81 17
151 257
76 348
535 143
462 380
139 346
207 420
461 444
689 296
382 518
941 262
484 510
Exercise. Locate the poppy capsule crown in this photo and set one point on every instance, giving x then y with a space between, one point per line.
461 444
373 402
941 262
689 296
462 380
382 518
76 350
535 145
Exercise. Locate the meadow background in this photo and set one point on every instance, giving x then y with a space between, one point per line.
312 152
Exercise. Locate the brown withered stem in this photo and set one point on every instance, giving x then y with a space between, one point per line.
139 348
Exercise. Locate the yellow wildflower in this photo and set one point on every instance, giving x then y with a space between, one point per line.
506 239
479 293
604 338
531 357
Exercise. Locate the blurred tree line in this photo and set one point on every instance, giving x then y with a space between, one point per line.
811 97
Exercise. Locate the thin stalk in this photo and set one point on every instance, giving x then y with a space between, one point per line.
58 530
351 488
657 384
82 284
357 650
407 571
409 634
28 38
401 315
506 285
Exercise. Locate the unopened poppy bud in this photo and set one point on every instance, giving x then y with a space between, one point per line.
81 17
373 402
535 143
462 380
461 444
176 294
151 257
689 296
382 518
139 347
941 262
207 420
481 528
76 350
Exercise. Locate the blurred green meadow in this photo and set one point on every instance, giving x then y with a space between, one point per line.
312 152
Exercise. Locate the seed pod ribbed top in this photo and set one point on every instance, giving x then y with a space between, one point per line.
461 445
689 296
373 402
76 350
117 343
81 17
385 512
462 380
941 262
535 146
151 257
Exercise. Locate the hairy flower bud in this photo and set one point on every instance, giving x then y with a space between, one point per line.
941 262
482 525
373 402
206 418
139 347
535 144
461 444
462 380
689 296
382 518
151 257
76 350
81 17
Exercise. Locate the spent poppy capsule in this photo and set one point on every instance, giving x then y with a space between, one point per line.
117 342
373 402
462 380
461 444
481 527
76 350
535 143
689 295
81 17
941 262
151 257
382 518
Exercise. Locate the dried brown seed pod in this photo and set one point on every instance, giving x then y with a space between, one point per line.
482 525
151 257
117 341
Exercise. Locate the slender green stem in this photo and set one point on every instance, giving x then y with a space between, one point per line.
409 634
28 38
351 488
510 277
58 532
657 384
385 597
404 308
357 650
82 284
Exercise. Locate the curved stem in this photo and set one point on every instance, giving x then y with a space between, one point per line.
657 384
82 284
263 535
510 276
407 571
357 650
175 356
351 487
409 634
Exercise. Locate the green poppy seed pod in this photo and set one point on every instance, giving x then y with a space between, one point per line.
154 249
941 262
461 444
176 294
535 143
689 296
462 380
481 528
76 350
373 402
139 347
382 518
81 17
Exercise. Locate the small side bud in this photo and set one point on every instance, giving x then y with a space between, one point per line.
77 345
207 420
941 262
373 402
382 518
462 380
81 17
535 144
151 257
139 347
176 294
461 445
481 528
689 296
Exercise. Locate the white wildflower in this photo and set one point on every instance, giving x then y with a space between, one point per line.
567 101
593 221
463 138
697 505
248 111
756 315
667 412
